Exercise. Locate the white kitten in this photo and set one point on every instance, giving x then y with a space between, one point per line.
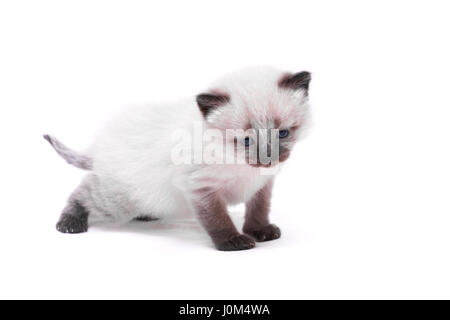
134 174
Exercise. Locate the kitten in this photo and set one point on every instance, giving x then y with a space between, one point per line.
134 174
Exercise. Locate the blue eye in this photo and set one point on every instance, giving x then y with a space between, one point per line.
247 141
283 133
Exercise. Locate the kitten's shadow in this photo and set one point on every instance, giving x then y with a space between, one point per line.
186 230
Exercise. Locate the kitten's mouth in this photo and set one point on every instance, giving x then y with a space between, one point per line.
271 164
283 157
261 165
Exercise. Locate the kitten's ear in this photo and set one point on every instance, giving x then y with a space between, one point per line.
295 81
207 102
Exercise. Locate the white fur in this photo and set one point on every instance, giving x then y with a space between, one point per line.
133 173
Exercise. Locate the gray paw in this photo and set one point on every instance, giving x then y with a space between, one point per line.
267 233
70 224
239 242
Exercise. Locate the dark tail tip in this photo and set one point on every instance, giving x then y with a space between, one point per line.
47 137
50 139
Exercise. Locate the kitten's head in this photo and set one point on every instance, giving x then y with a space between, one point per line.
270 106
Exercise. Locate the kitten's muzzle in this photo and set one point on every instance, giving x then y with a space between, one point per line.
269 156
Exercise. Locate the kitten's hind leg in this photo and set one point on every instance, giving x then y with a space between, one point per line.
74 218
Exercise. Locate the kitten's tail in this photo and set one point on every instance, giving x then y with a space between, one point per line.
72 157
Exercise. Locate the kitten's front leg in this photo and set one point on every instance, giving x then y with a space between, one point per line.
213 215
257 210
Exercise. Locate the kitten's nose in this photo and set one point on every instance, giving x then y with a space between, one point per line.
268 147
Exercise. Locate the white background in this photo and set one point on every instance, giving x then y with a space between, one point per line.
363 203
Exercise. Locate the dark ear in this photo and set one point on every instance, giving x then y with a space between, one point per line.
207 102
295 81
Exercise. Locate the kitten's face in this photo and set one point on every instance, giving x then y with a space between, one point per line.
268 109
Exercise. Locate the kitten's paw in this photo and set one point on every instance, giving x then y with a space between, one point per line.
267 233
239 242
70 224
